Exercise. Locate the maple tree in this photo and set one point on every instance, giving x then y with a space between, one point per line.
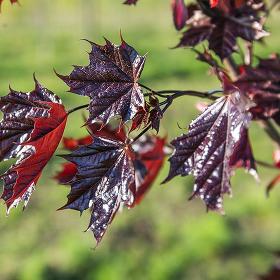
117 163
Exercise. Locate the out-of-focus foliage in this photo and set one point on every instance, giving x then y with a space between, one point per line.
167 237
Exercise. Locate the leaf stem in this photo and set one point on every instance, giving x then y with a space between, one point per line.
77 108
178 93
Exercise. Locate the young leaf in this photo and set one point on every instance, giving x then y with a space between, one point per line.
180 13
111 82
31 129
208 147
67 173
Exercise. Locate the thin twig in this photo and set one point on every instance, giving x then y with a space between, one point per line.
77 108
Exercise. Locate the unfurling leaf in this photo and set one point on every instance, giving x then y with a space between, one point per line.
180 13
110 81
206 150
109 173
31 129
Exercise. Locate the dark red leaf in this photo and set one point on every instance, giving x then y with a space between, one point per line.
109 173
243 155
104 181
206 150
31 129
150 152
180 13
262 85
195 35
222 25
111 82
67 173
72 144
140 119
108 131
155 118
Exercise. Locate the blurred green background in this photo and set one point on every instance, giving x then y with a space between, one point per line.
166 237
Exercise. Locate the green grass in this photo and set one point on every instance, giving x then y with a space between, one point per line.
166 237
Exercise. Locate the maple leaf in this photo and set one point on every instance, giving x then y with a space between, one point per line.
104 180
206 150
222 24
67 173
111 82
109 173
32 126
130 2
180 13
262 85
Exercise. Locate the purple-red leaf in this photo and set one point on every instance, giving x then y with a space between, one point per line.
243 155
150 153
31 129
180 13
208 147
262 85
109 173
222 25
104 181
111 82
